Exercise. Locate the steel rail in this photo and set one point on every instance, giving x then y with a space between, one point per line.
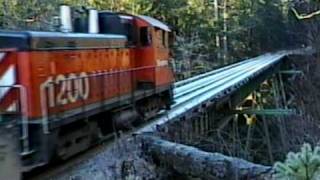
220 82
195 78
183 90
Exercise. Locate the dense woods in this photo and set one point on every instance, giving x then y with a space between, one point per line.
209 32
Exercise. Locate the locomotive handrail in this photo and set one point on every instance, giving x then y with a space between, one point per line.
121 71
111 73
7 49
25 123
44 108
24 112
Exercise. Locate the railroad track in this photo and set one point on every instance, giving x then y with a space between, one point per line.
188 94
210 73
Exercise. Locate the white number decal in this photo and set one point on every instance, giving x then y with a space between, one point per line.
73 88
70 89
85 86
62 83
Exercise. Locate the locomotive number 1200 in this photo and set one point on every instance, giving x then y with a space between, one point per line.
64 89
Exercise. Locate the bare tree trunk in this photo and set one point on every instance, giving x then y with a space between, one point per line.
216 14
193 162
225 31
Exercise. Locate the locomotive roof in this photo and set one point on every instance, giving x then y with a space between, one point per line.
36 40
154 22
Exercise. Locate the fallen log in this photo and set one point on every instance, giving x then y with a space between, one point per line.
193 162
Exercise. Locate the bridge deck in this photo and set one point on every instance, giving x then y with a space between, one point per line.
212 86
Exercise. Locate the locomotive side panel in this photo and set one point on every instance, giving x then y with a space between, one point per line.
65 80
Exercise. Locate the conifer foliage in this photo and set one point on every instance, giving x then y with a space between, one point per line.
303 165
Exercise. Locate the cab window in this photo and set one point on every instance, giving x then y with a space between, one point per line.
164 39
161 38
145 36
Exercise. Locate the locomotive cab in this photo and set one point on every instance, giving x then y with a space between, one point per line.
153 50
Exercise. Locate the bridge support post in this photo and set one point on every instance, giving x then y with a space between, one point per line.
207 122
235 135
248 141
278 100
260 102
267 137
202 124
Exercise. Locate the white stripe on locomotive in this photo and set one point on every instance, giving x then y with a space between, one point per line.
7 80
2 55
13 107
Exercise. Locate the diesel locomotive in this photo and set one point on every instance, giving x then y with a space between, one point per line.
68 89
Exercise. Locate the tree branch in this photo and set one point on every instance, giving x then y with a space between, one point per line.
305 16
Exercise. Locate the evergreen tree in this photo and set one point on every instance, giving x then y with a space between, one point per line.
304 165
231 29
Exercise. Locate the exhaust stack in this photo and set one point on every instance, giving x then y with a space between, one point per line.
93 21
65 19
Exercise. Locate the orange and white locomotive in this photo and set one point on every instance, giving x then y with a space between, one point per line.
69 88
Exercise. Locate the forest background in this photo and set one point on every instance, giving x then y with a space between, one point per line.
209 33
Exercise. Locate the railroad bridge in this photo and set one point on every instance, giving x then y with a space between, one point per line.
240 97
213 100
